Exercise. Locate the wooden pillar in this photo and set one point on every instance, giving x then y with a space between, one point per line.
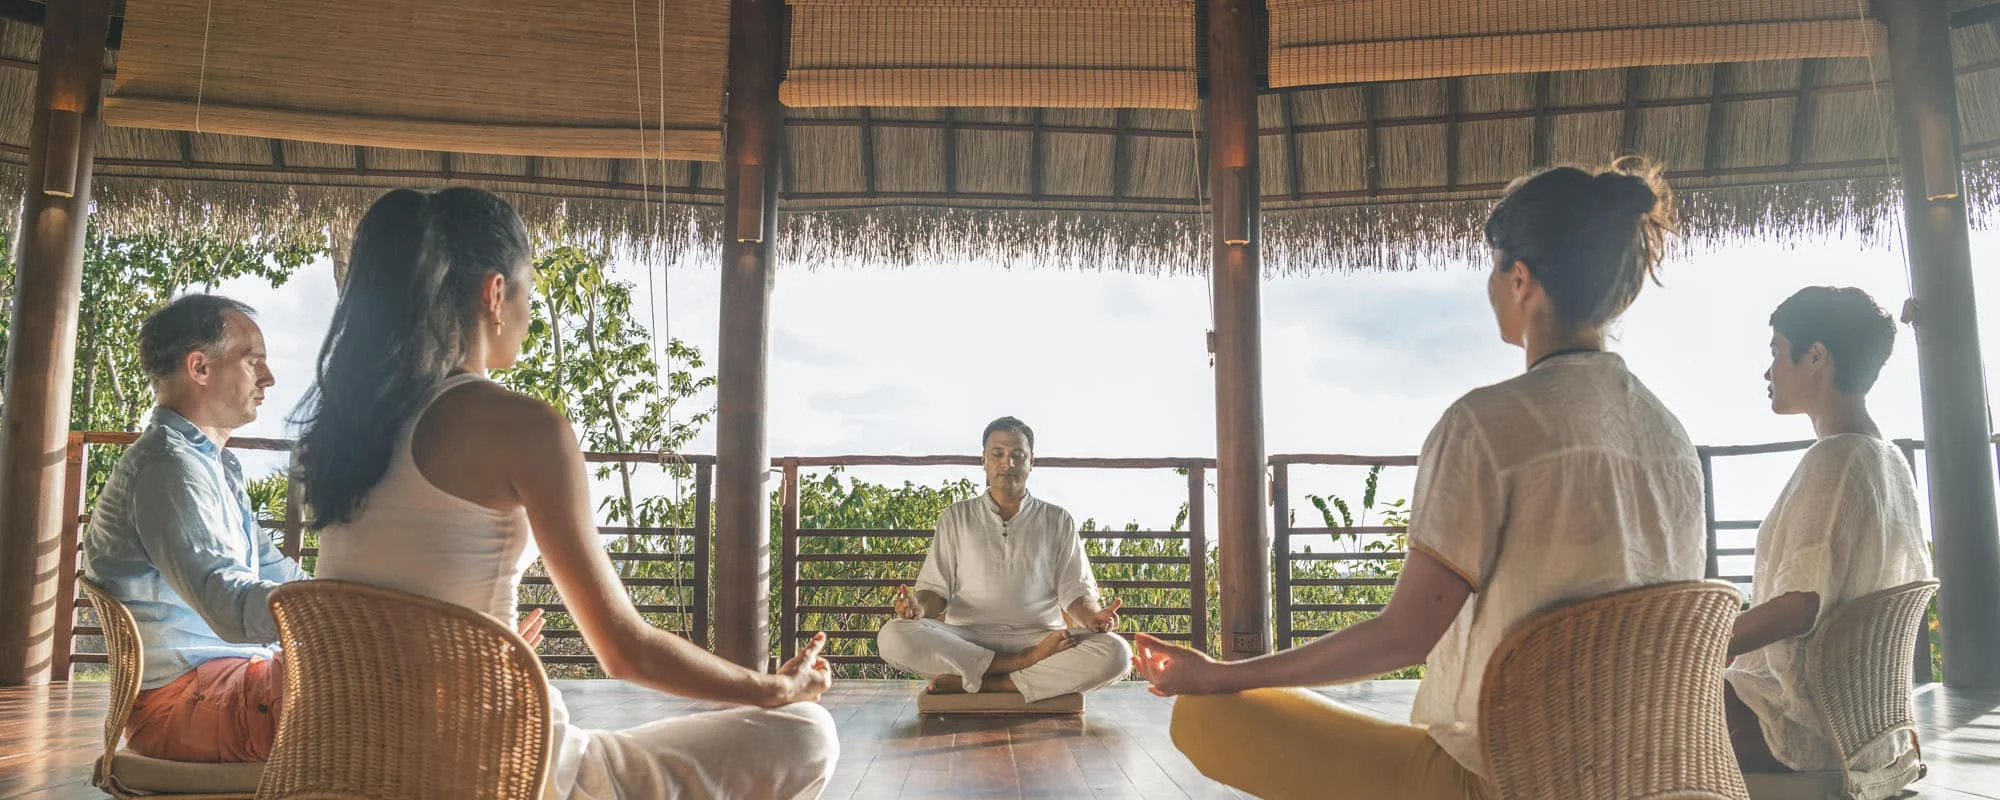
754 126
41 354
1958 457
1231 124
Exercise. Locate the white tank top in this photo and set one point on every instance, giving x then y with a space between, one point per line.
414 537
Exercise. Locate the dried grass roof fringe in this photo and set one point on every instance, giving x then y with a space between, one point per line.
1423 234
1388 175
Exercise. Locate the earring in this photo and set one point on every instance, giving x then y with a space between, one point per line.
497 325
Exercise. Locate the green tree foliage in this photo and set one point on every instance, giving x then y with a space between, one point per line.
1370 575
590 357
125 279
836 500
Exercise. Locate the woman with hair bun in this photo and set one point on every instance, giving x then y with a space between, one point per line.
1566 482
426 477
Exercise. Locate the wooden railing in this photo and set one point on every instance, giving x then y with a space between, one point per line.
1286 583
810 605
1285 603
677 601
852 607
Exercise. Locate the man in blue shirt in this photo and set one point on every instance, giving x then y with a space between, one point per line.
173 538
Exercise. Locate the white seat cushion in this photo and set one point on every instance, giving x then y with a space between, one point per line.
139 773
1006 703
1795 785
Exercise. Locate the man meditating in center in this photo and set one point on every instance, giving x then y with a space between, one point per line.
987 614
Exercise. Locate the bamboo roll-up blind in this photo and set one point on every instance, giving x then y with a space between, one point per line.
508 77
1039 53
1318 43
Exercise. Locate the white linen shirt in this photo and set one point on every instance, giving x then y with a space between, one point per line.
1567 482
1846 525
1018 573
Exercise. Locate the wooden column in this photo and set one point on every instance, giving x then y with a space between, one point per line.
754 126
41 354
1231 124
1956 425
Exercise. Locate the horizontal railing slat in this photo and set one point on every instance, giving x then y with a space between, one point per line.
1297 582
1362 556
1351 529
861 558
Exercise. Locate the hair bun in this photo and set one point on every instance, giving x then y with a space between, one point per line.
1626 193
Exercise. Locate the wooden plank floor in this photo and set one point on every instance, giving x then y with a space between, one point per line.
1120 749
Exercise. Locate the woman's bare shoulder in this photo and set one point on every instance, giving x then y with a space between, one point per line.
498 415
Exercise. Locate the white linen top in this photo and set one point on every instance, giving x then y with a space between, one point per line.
1566 482
413 537
1018 573
1846 525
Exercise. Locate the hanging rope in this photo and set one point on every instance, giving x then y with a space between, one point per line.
201 79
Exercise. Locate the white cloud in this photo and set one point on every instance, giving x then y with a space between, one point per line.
1111 364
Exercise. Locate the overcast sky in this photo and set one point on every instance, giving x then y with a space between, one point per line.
916 361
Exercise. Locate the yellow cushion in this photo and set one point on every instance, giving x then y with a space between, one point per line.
137 773
998 703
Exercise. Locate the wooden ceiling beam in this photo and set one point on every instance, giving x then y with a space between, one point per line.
1454 105
1542 139
1037 155
950 150
1371 103
1711 143
16 153
1121 155
1628 139
1294 176
867 149
1802 110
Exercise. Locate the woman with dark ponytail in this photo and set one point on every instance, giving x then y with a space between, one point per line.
426 477
1566 482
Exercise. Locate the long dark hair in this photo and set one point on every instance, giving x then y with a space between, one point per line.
1591 238
412 293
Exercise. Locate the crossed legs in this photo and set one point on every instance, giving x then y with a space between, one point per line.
998 659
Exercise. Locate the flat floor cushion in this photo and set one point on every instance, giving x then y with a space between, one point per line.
1003 703
139 773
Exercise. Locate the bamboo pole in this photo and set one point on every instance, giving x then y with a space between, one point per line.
42 351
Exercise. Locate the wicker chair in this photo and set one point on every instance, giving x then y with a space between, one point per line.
1858 665
123 773
392 696
1617 697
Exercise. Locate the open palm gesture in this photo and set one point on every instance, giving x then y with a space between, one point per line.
1171 668
1106 619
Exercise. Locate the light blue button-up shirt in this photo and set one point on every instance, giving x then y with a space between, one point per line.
174 539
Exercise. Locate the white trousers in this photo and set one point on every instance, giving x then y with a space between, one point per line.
784 753
931 648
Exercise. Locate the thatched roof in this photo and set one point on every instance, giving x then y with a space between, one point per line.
1371 175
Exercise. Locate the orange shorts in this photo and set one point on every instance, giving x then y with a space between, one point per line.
226 709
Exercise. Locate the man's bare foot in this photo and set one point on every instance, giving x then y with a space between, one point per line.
946 684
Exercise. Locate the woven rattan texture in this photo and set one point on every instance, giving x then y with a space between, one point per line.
1859 665
393 696
1618 697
